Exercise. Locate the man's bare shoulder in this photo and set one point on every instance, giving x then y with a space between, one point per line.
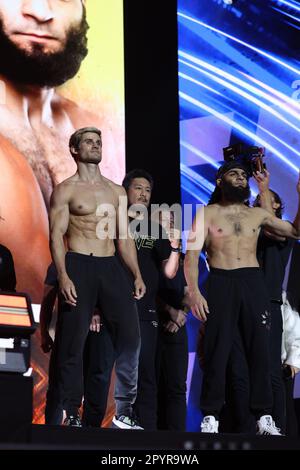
79 116
259 212
261 215
117 188
211 210
65 189
219 208
68 182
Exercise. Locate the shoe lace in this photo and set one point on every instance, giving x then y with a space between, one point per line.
207 425
134 421
269 421
270 425
74 420
274 428
126 419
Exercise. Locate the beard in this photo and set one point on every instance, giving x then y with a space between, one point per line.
235 194
37 68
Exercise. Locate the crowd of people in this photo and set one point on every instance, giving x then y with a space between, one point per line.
122 290
123 301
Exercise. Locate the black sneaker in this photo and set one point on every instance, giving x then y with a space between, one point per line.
73 420
126 422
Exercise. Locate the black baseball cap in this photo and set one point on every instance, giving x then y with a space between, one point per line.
227 166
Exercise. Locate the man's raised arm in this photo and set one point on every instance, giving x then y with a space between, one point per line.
170 265
59 222
263 182
282 228
197 236
265 199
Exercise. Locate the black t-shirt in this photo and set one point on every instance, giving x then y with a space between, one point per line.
273 256
151 251
7 270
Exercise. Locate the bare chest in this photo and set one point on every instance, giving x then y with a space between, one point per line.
92 201
234 225
46 151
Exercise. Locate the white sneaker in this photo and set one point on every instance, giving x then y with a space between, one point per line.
210 424
126 422
266 427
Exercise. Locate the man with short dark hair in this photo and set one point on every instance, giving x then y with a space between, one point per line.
238 302
155 253
136 406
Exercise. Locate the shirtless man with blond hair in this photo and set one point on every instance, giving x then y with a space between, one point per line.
90 211
237 299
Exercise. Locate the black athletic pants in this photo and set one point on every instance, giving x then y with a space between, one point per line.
130 396
238 377
172 365
100 282
238 305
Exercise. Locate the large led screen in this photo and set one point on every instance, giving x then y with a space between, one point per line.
239 81
61 69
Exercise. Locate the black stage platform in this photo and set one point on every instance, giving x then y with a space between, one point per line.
41 437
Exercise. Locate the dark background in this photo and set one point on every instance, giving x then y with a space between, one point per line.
151 94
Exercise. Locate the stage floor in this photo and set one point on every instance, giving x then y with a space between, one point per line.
60 438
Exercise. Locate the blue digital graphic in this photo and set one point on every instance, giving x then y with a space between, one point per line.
239 81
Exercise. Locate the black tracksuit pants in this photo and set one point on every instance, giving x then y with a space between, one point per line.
238 388
145 405
238 303
130 394
172 366
100 282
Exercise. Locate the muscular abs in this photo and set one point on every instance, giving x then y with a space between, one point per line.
92 220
